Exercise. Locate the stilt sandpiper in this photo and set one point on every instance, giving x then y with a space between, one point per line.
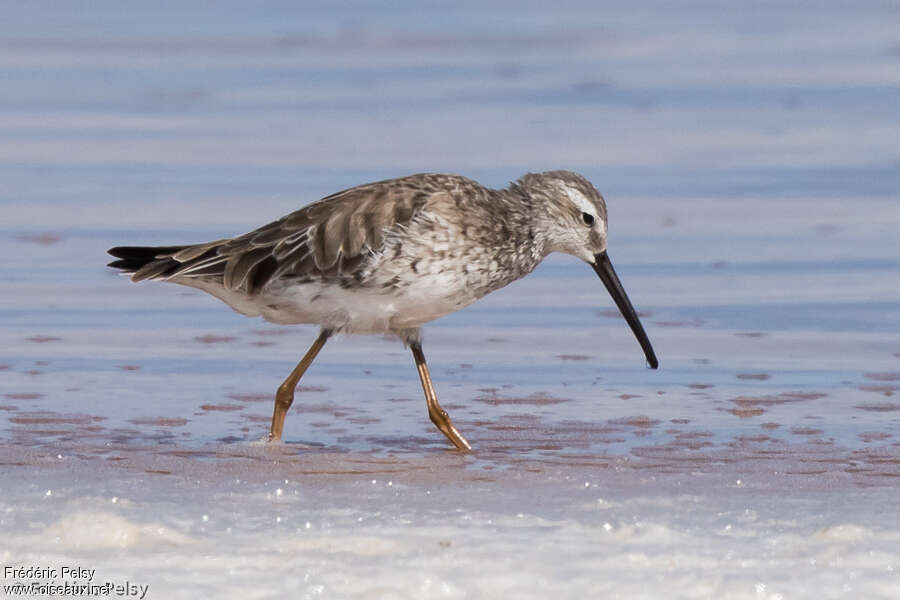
390 256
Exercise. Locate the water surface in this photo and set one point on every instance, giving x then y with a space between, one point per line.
750 163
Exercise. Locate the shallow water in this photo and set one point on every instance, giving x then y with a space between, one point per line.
750 163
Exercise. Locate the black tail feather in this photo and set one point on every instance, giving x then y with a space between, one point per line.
201 261
132 258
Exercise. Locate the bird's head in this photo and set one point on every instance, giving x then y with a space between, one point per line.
575 222
575 212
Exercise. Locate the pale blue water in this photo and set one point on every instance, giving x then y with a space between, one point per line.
750 160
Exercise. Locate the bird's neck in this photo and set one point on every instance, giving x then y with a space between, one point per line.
525 218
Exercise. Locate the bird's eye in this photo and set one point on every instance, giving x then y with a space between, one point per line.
587 218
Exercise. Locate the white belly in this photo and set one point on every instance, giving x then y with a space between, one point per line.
370 309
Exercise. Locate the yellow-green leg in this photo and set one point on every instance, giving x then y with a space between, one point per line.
284 397
437 414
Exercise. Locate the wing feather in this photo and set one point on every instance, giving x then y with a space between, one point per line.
192 253
241 265
330 239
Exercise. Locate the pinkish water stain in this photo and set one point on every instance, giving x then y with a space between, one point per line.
576 357
806 431
635 421
754 376
23 395
259 397
159 421
44 239
879 407
685 323
221 407
214 339
892 376
271 332
46 417
874 436
746 412
886 389
535 399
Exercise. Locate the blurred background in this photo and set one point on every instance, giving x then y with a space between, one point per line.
750 159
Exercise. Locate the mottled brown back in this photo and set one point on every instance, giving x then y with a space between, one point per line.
329 239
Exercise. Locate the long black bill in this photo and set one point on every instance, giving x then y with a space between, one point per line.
608 275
